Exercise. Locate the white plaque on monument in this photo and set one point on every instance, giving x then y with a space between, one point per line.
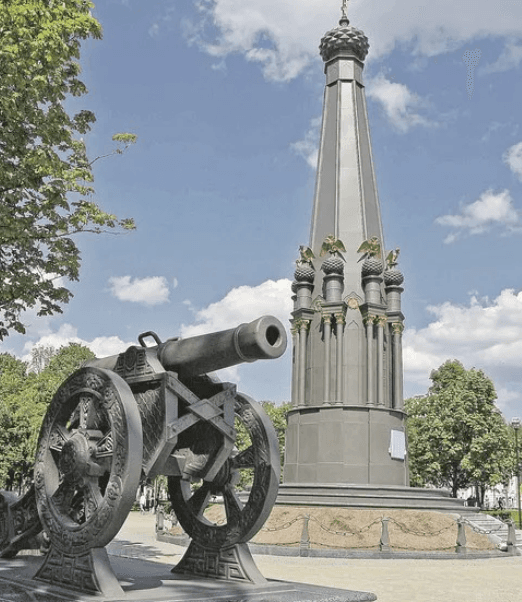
397 445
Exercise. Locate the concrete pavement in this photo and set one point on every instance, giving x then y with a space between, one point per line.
392 580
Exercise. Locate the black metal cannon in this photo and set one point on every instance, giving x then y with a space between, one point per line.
152 410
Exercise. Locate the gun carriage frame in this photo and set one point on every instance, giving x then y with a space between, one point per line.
146 412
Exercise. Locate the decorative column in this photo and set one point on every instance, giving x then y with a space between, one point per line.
369 322
303 287
397 400
327 334
303 336
340 321
381 323
393 279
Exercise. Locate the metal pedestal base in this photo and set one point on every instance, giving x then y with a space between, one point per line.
229 564
89 573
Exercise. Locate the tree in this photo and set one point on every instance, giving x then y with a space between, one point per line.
24 398
457 437
45 176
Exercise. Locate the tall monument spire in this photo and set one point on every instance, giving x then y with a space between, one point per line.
347 423
345 441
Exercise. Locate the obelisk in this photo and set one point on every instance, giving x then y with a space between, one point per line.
347 424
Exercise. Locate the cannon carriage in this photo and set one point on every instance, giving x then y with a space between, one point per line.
152 410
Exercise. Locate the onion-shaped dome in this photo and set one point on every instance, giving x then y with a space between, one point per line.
333 265
393 277
372 267
304 273
344 40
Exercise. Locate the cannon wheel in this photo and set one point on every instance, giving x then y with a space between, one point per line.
243 519
88 461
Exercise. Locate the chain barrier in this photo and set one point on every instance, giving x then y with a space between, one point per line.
405 529
347 533
284 525
482 531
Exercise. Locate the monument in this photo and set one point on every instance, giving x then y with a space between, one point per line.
346 441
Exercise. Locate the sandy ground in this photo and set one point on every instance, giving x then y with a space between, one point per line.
459 580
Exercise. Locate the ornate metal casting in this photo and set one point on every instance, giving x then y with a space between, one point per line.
149 411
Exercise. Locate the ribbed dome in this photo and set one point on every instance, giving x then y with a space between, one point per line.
344 40
393 277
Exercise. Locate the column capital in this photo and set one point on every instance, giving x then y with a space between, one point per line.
381 321
369 319
340 317
301 324
397 328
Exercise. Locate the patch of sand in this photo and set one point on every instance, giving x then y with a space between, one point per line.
409 530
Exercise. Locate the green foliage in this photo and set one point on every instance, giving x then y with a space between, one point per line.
456 435
43 159
24 398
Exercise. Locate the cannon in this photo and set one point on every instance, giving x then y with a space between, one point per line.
152 410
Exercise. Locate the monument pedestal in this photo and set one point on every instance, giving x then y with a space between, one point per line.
348 495
345 444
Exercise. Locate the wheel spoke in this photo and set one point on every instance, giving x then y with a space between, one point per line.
63 496
244 459
87 412
58 437
200 500
105 446
92 497
233 505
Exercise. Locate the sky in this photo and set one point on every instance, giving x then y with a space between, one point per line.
225 97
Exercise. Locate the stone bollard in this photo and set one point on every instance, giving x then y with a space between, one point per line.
160 521
511 538
385 536
304 544
461 548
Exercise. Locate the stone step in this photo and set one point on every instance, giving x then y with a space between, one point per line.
496 529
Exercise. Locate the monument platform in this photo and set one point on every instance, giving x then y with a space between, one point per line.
370 496
144 581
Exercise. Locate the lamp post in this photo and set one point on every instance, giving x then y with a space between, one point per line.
516 423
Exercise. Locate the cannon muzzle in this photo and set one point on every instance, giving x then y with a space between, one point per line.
264 338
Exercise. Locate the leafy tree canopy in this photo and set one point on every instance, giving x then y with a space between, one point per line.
457 437
24 398
45 175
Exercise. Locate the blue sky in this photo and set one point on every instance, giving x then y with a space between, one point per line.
225 97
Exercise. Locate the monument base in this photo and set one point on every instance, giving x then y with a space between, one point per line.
370 496
144 581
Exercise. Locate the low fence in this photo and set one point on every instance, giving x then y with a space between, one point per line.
383 534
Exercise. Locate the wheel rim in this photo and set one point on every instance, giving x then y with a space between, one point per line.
243 519
88 462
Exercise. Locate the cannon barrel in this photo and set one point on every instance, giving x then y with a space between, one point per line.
264 338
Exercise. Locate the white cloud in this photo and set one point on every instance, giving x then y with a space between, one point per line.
308 147
398 102
244 304
100 346
510 58
149 291
282 36
513 158
491 209
484 334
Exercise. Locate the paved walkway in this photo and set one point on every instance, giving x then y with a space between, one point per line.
462 580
